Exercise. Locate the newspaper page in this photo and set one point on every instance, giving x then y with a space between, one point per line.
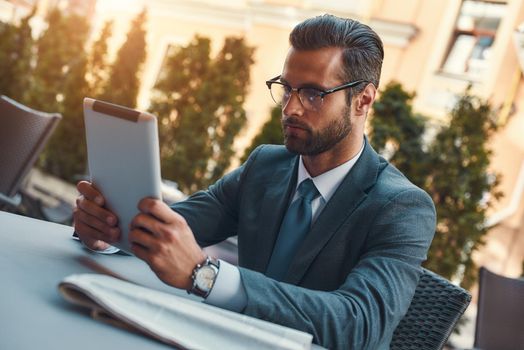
175 320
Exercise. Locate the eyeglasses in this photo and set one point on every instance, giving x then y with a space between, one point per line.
311 98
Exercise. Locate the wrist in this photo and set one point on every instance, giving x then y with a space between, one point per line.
204 276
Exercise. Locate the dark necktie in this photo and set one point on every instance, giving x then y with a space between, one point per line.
295 226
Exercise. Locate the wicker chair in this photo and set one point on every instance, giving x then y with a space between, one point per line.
435 309
500 312
23 134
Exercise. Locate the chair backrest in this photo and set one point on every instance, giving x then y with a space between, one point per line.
500 312
434 310
23 134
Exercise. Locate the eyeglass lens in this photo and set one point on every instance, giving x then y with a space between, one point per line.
310 98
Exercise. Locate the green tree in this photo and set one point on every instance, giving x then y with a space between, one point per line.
59 85
48 74
16 45
452 168
395 125
271 133
98 66
124 82
199 101
462 187
59 47
66 155
231 69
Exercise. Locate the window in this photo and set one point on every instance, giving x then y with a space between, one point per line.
473 37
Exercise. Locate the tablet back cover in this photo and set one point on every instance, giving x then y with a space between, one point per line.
123 158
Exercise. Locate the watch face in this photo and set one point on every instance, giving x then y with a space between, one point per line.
205 277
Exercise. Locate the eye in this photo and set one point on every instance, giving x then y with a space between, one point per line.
311 95
286 90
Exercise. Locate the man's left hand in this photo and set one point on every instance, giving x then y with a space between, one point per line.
162 238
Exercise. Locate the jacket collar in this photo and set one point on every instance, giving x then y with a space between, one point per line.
351 192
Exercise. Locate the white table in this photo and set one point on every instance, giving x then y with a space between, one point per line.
34 257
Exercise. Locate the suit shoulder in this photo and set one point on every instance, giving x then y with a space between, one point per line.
391 183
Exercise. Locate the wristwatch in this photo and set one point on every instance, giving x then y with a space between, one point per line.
204 276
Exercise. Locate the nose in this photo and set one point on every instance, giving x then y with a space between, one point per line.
293 106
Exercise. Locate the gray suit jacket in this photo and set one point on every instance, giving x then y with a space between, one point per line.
353 276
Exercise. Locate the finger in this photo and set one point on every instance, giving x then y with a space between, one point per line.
140 252
90 192
97 211
85 228
112 232
144 239
158 209
95 244
148 223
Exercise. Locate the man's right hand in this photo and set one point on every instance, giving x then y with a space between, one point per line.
95 225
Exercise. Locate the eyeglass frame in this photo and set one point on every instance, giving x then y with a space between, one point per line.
322 93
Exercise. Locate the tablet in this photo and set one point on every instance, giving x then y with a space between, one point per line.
123 158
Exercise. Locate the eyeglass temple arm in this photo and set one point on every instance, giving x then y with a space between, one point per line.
272 80
345 86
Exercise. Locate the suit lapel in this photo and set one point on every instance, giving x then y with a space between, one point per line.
351 192
273 207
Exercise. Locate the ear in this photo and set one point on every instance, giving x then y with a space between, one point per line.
364 100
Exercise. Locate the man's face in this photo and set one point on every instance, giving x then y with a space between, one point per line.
312 132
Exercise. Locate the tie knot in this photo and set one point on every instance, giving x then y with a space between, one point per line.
308 190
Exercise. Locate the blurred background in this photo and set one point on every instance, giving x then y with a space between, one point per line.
450 112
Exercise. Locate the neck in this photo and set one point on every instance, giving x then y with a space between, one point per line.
341 153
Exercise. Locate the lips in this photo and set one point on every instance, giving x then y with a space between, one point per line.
294 127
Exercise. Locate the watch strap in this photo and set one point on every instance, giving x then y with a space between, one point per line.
195 289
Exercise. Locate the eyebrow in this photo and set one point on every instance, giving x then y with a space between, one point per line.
306 85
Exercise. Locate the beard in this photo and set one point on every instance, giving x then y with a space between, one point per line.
319 141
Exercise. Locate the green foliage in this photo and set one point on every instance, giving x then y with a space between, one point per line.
59 85
98 66
66 154
395 128
199 102
271 133
231 70
461 186
453 169
59 48
55 73
122 87
16 44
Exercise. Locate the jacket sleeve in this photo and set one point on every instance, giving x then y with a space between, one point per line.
212 214
364 311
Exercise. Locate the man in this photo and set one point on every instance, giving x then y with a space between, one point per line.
330 236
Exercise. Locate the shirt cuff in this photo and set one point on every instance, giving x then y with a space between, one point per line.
228 291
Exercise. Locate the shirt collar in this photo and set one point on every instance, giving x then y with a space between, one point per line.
328 182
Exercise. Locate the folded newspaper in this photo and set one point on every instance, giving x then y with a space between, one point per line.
173 319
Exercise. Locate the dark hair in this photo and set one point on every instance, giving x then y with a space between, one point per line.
363 51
